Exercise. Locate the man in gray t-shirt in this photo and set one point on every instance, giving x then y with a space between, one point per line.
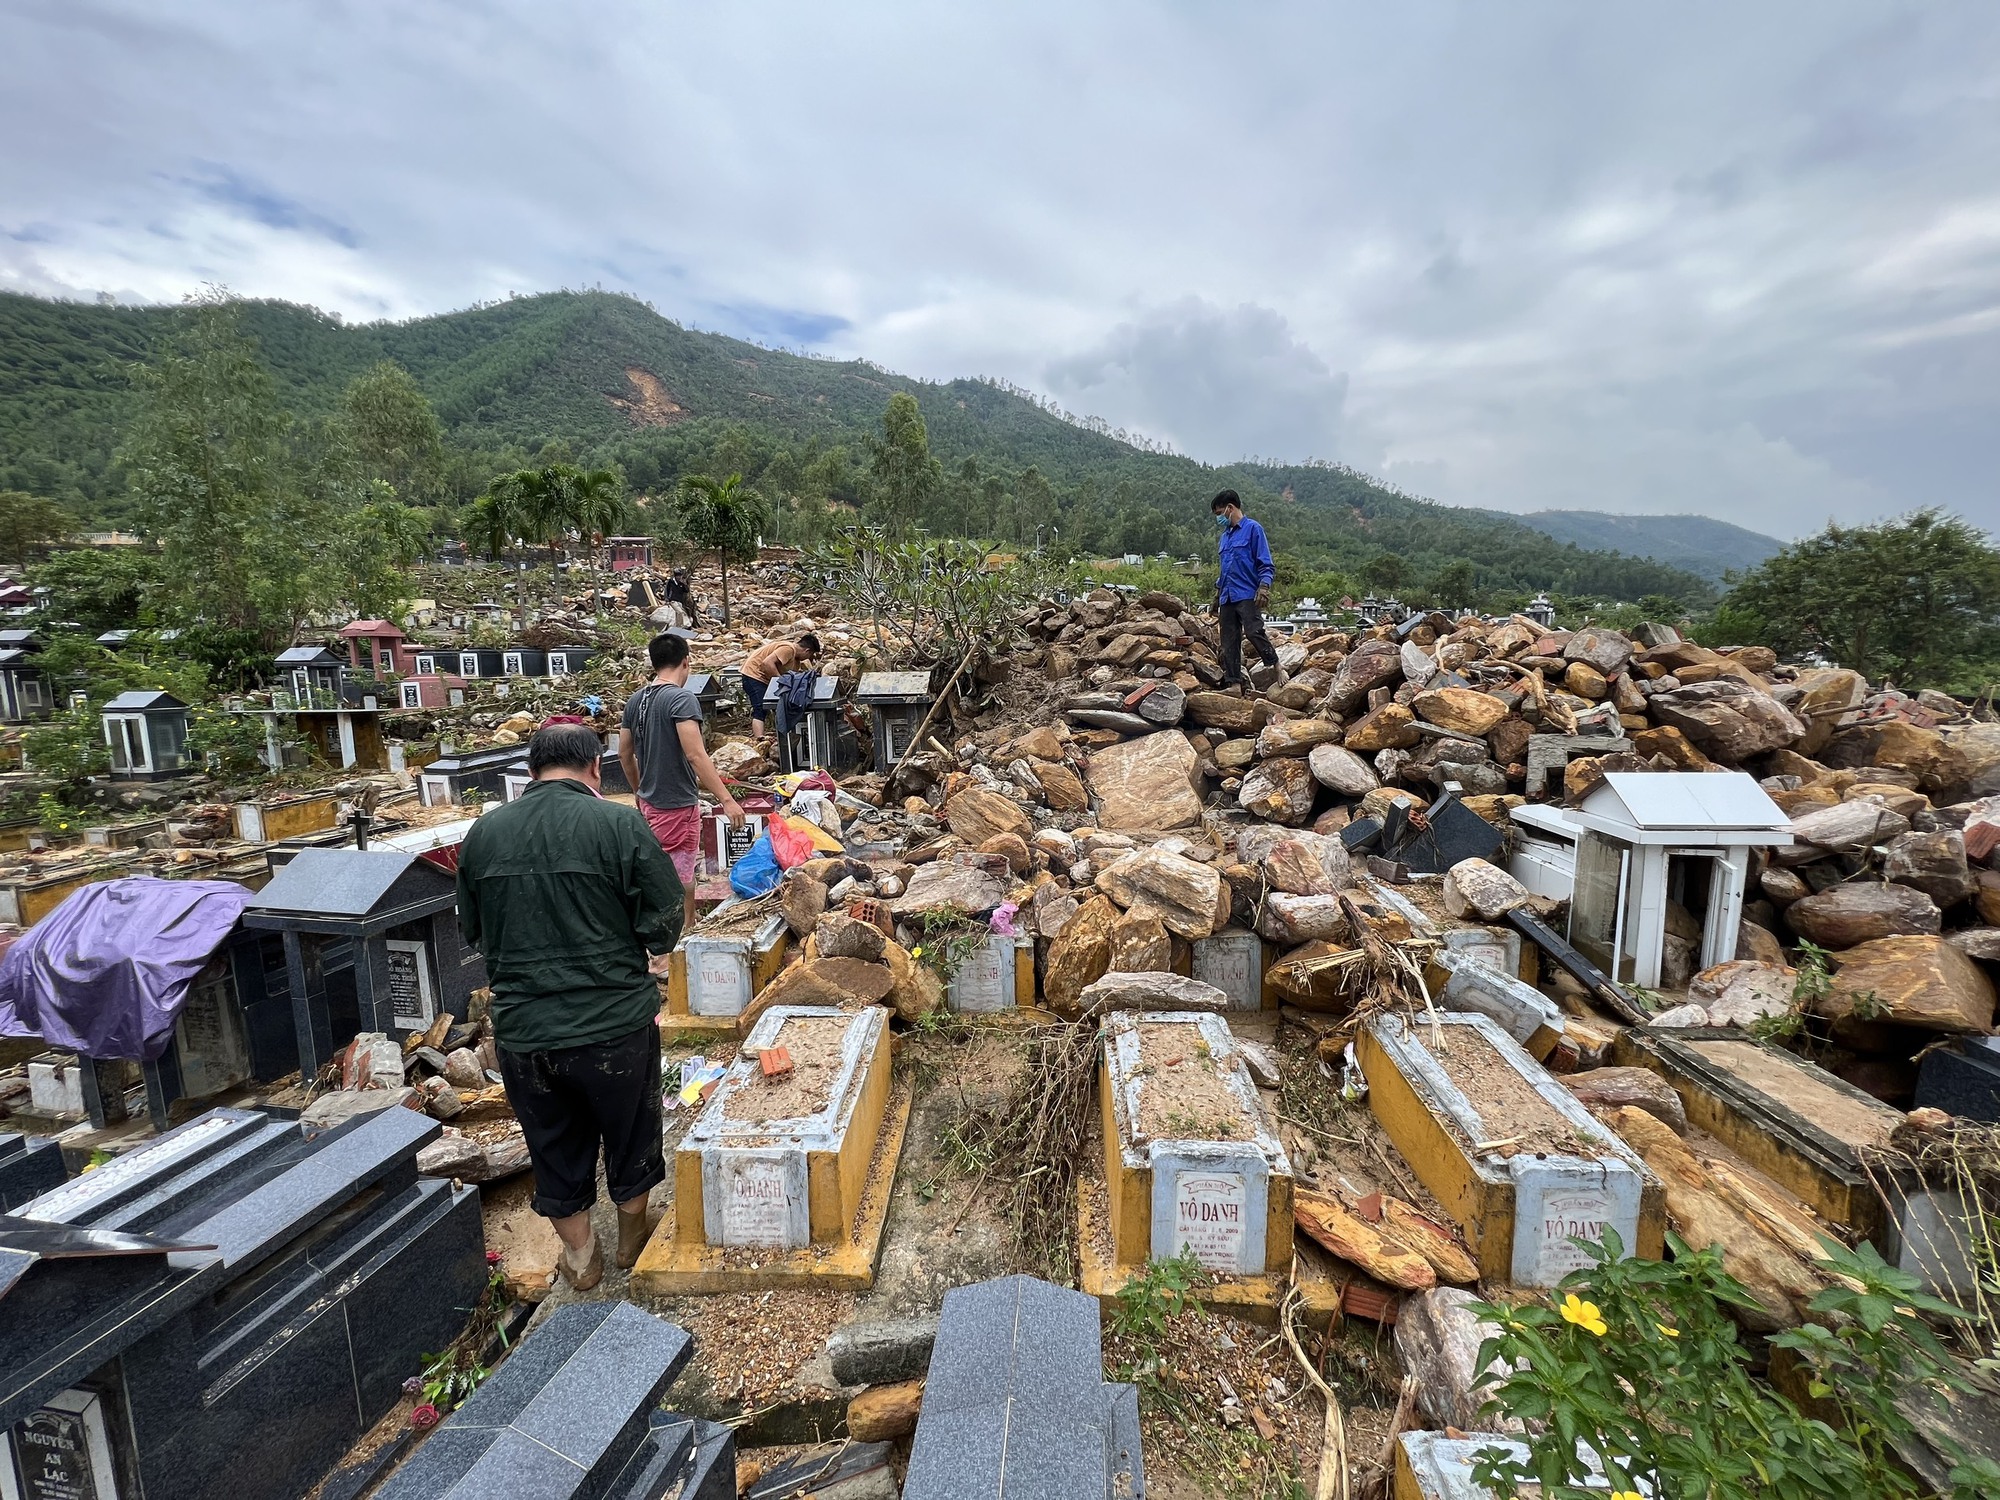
666 763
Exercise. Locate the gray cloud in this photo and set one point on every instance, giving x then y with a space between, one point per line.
1215 380
1738 260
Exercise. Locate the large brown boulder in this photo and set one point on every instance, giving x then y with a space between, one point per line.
1341 769
1923 752
1726 718
1288 737
1466 710
1977 747
1918 981
1146 783
801 899
1042 743
1845 916
1821 698
1061 787
1225 711
966 886
1307 865
1280 790
1081 955
1710 1204
1390 727
1189 897
977 813
1675 746
1139 942
1605 650
917 989
1508 741
1472 887
1150 990
1848 826
1584 680
838 935
1742 992
1638 1088
1933 863
1292 920
1371 664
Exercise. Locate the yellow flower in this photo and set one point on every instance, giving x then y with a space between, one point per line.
918 951
1672 1333
1584 1314
1628 1495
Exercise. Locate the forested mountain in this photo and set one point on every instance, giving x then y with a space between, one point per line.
604 378
1699 544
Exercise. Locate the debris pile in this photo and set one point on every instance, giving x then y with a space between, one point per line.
449 1071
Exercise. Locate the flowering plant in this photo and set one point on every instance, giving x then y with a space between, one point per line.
1634 1368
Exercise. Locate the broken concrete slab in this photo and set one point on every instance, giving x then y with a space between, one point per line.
1152 991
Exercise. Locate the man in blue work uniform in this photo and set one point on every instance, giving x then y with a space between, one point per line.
1242 591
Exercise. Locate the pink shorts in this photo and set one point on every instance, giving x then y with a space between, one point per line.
679 831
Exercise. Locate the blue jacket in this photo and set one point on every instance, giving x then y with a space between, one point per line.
1246 562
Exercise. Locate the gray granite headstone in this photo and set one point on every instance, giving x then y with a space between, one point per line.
571 1414
1016 1403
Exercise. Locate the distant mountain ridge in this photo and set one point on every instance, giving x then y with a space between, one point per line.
1700 544
621 383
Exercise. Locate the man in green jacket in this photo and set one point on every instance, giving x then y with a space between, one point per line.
565 895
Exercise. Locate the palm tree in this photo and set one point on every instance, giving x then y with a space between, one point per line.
489 523
546 500
723 517
598 504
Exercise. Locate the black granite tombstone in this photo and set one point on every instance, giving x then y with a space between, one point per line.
29 1166
1962 1078
611 772
1448 832
1016 1403
818 740
371 944
236 1027
471 776
571 1415
220 1314
897 703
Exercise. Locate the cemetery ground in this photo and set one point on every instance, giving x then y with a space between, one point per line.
1378 990
1226 1407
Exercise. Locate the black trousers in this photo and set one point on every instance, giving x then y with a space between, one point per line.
571 1101
1241 621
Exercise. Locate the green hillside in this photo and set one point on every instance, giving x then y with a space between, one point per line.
614 381
1699 544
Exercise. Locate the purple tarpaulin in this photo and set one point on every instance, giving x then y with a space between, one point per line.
105 974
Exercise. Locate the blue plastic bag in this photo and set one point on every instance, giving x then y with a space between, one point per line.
757 873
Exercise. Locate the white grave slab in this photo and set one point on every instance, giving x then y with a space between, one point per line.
984 983
755 1183
1211 1196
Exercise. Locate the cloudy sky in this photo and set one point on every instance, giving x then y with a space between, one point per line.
1736 259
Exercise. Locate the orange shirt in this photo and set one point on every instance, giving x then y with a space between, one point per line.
770 660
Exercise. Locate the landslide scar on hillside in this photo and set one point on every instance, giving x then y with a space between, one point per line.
647 401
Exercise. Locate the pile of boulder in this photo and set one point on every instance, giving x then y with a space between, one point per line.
450 1071
1153 809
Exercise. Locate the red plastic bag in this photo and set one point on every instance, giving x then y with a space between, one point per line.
791 846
